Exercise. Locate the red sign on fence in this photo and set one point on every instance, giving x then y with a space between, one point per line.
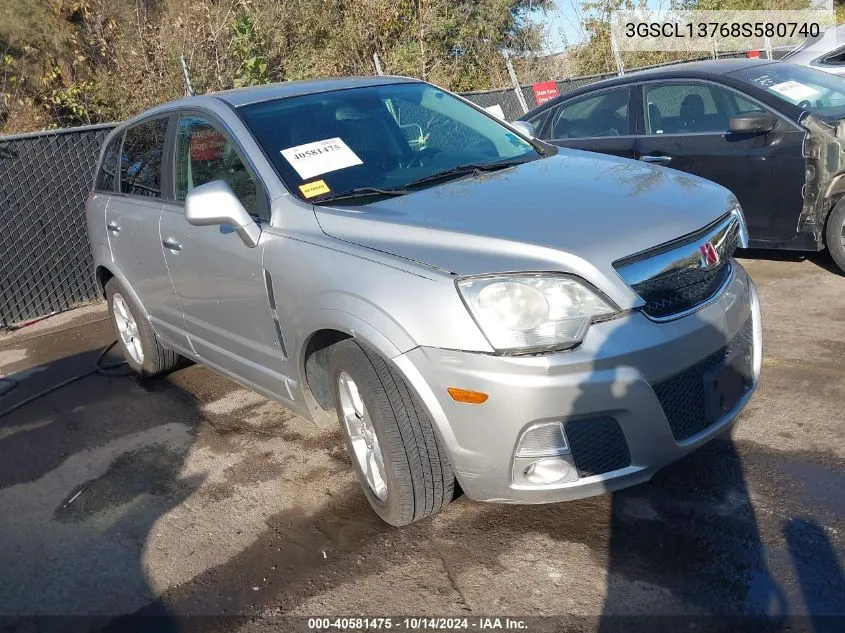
207 145
545 91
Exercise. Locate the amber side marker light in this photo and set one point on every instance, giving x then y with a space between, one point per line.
467 396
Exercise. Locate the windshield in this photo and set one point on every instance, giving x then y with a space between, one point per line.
384 137
813 90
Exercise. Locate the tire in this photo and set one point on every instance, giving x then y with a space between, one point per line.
154 358
416 472
835 234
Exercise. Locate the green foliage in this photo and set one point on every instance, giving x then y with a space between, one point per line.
248 48
81 61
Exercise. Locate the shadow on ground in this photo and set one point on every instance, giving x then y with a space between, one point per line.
90 471
820 259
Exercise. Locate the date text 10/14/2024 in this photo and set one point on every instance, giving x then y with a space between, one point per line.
349 624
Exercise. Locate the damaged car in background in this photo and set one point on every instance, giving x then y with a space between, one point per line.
475 310
771 132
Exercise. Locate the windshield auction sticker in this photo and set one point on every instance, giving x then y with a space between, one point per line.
715 32
794 90
316 188
320 157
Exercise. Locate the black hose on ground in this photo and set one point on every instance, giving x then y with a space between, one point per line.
99 368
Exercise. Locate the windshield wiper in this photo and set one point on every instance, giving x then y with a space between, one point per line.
460 170
362 192
468 168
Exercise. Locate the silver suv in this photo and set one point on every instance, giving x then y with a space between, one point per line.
476 308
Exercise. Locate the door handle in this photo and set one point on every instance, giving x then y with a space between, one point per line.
659 160
113 227
172 244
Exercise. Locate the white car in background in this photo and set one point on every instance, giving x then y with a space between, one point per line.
825 52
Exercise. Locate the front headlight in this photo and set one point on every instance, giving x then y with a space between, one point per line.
533 312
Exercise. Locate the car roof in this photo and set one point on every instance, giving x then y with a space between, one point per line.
694 69
828 40
238 97
706 67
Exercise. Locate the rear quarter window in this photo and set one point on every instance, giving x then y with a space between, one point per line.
107 174
141 158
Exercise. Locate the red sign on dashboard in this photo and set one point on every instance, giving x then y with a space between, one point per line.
545 91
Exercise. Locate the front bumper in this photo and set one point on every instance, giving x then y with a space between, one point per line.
612 374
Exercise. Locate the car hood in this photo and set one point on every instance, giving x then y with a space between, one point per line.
575 212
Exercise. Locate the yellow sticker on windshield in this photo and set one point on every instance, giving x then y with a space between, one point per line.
315 188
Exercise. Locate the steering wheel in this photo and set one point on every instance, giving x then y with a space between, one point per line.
804 104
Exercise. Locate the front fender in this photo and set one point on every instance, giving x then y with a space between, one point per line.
377 330
367 332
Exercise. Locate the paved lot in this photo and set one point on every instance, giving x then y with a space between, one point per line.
192 495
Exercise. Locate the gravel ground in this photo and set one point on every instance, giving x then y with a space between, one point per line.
191 495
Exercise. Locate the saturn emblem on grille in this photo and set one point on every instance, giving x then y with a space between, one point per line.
709 256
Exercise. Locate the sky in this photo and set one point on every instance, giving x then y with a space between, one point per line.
562 23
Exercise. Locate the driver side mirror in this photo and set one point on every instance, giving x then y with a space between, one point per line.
753 123
215 203
526 128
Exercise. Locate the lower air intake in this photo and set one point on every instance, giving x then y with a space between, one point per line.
598 445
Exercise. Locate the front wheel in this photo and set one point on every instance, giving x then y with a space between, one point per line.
402 468
835 234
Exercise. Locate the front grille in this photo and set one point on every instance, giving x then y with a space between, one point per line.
684 289
598 445
683 396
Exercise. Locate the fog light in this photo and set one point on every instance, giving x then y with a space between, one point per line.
547 471
543 456
543 440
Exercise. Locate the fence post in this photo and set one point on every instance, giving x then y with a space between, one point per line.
378 64
189 89
767 44
617 55
515 81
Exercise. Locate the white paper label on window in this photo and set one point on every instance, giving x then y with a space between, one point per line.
496 111
794 90
320 157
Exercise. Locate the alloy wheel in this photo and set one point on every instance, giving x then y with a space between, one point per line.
362 435
127 328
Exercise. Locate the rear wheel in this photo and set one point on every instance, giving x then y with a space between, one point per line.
835 234
402 468
143 351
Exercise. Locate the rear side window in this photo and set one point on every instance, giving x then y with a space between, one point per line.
203 154
108 168
140 160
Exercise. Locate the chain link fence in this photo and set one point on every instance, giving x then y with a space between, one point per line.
45 261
